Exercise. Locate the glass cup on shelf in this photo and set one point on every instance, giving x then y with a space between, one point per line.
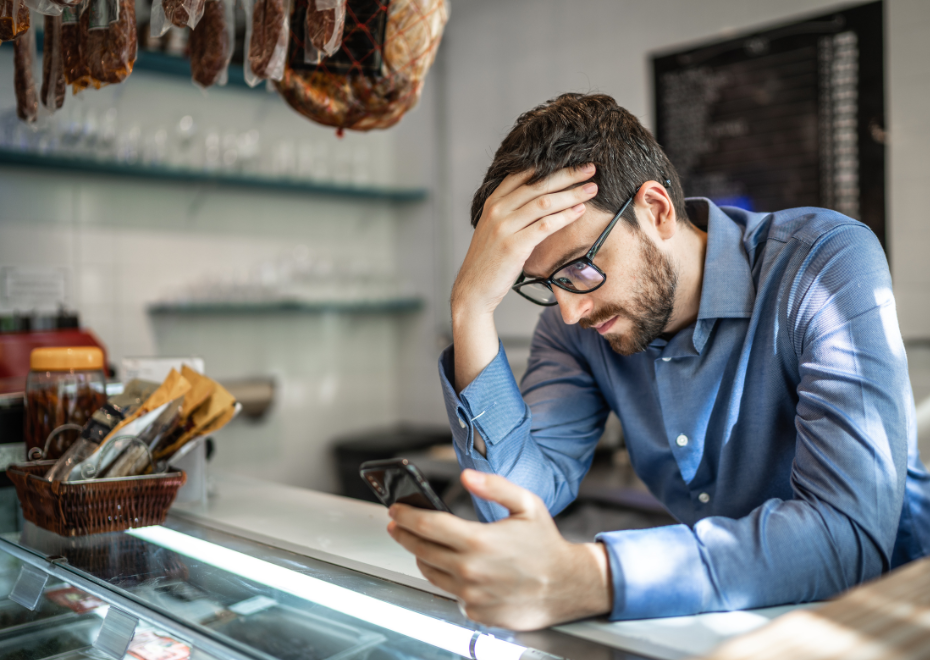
248 145
182 152
107 133
128 145
230 151
155 147
212 150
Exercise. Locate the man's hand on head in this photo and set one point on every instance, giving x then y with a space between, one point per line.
515 219
516 573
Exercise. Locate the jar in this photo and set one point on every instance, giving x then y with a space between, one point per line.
64 386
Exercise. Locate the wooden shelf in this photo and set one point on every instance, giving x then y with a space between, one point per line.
161 173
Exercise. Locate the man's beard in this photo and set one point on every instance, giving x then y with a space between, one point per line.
651 307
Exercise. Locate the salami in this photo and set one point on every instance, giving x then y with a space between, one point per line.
210 46
355 96
75 69
27 105
14 19
53 78
184 13
268 41
325 24
108 41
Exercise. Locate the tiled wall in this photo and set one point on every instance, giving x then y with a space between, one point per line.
128 242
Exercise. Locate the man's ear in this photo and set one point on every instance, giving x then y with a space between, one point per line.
654 200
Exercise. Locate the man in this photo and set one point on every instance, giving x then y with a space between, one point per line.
754 360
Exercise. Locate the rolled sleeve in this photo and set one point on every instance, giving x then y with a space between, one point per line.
491 403
653 572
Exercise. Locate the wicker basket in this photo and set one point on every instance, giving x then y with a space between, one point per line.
90 507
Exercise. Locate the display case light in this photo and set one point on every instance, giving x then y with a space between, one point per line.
438 633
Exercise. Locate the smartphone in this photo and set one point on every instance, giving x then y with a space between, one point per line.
399 480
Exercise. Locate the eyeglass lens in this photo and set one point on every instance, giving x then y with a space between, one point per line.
538 292
578 276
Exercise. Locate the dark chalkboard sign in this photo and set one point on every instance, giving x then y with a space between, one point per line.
784 117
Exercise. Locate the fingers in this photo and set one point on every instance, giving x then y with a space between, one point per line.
434 554
441 579
437 526
510 183
514 192
559 181
546 206
537 231
495 488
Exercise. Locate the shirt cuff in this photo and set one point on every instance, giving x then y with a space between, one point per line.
655 572
491 403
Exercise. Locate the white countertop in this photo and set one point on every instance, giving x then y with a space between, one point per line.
351 533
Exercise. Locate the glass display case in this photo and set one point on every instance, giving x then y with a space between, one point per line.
183 590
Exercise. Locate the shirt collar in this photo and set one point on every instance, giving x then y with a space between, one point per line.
728 290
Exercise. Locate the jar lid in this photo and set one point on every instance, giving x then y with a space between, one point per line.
64 358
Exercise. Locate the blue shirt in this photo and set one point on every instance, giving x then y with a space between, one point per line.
779 428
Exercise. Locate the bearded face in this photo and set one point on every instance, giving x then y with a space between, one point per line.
651 304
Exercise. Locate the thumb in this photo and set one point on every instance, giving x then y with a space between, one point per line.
495 488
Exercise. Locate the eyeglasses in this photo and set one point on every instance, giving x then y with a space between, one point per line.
577 276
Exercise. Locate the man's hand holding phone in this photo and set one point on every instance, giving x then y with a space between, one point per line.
499 571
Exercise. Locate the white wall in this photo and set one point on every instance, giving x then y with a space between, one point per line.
128 242
506 57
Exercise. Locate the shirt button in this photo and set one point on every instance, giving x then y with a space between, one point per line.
682 440
704 498
461 422
666 359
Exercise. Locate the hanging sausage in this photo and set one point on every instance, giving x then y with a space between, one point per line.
53 75
377 74
108 40
14 19
24 53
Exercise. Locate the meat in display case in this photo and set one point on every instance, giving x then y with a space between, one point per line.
184 590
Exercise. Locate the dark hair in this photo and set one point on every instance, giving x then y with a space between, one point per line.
575 129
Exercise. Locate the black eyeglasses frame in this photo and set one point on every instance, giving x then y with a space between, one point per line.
587 259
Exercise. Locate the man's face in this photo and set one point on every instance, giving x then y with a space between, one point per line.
635 303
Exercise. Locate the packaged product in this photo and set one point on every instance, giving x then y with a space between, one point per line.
179 13
266 37
53 74
325 23
24 53
74 65
14 19
378 73
102 422
211 43
108 40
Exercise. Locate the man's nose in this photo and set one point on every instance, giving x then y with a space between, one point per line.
574 306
